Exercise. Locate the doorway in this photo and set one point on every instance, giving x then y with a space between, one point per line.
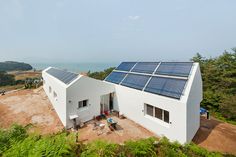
106 103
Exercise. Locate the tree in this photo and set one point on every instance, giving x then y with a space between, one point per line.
6 79
219 83
102 74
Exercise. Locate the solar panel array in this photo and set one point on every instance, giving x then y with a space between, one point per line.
64 76
162 78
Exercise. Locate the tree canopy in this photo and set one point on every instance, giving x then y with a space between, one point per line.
219 83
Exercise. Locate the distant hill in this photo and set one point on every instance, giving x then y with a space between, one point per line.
12 66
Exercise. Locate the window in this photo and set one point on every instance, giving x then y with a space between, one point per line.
157 113
149 110
50 89
54 94
82 104
166 116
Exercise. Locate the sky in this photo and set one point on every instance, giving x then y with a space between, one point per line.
115 30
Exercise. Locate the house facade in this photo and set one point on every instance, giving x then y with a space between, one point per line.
163 97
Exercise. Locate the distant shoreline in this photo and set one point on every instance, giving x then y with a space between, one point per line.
75 67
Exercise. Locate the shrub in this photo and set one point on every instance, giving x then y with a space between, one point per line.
8 137
36 145
100 148
140 148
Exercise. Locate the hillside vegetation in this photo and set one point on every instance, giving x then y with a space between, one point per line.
14 66
102 74
6 79
16 142
219 85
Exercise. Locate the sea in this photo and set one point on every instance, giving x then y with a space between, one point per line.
75 67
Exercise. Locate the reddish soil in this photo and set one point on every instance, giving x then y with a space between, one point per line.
126 130
215 135
29 106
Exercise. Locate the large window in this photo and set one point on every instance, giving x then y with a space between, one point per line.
82 104
157 113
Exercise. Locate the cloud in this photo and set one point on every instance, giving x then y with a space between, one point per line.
134 17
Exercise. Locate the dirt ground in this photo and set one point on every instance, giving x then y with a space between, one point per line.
33 106
216 136
29 106
126 130
22 75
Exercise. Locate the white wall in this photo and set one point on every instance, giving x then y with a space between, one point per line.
131 104
59 103
193 104
183 113
82 89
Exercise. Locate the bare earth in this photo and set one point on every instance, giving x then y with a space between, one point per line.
216 136
29 106
126 130
33 106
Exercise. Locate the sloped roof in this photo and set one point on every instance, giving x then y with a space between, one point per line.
161 78
64 76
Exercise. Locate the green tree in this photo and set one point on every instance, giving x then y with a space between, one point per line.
102 74
219 83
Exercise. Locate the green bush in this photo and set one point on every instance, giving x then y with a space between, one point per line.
6 79
174 149
37 146
8 137
15 142
140 148
100 148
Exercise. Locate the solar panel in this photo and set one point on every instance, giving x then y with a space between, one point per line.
64 76
175 68
126 66
145 67
135 81
170 87
116 77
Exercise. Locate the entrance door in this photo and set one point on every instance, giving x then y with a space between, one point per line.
111 101
104 103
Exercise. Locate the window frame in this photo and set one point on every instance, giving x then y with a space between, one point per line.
82 104
54 94
164 113
147 105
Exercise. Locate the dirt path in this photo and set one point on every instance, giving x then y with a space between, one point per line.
216 136
29 106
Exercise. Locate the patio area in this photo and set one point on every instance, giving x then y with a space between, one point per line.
125 130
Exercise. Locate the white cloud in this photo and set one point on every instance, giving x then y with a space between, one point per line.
134 17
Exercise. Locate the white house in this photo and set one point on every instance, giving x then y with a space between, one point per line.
163 97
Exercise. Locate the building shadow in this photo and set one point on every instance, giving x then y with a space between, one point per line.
206 127
118 127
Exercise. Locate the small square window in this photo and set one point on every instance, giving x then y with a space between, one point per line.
83 104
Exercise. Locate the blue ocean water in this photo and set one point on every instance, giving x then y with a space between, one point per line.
75 67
